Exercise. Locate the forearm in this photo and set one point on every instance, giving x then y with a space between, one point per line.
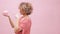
11 22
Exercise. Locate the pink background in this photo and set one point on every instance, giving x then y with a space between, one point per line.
45 16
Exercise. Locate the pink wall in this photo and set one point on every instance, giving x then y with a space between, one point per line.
45 16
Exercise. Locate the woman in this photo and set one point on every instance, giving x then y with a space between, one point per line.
24 23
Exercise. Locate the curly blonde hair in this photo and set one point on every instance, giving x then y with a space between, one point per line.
27 7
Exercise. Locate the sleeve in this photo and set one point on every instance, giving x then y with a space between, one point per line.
25 25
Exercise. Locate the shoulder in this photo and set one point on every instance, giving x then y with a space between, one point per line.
27 18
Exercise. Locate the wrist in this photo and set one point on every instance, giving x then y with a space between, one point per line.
8 16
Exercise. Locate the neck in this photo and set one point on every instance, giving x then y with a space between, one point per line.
25 15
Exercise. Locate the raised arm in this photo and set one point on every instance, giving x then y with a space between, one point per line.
5 13
15 26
